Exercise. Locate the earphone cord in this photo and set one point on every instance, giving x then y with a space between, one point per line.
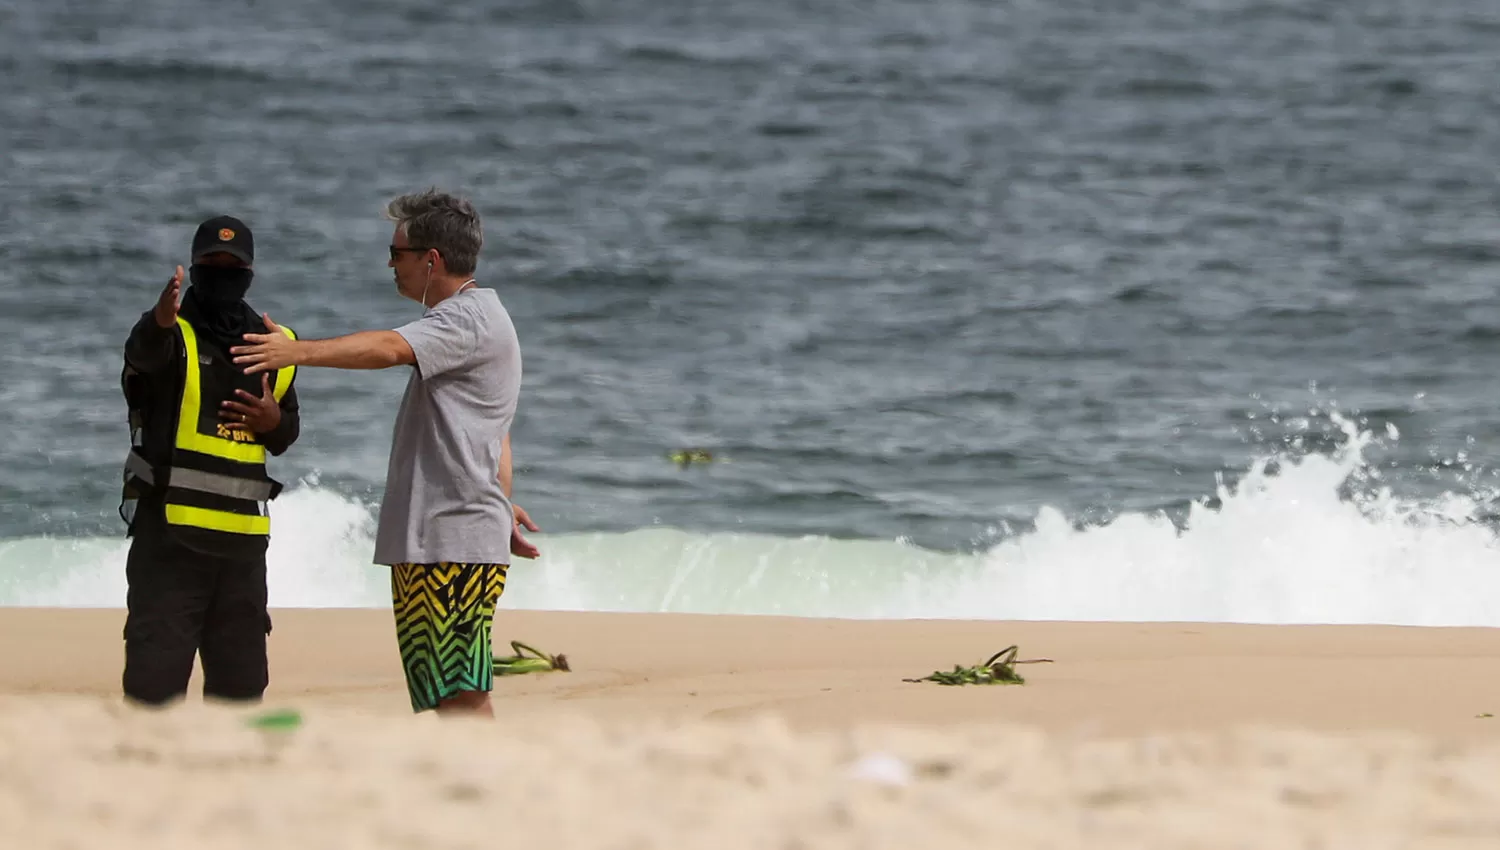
466 284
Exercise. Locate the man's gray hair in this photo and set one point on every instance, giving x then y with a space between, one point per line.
435 219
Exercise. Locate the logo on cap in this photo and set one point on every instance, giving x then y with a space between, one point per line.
225 234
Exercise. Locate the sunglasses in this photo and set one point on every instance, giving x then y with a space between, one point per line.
395 252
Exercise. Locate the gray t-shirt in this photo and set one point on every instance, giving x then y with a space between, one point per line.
443 500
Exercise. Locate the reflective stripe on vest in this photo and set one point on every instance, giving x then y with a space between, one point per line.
190 439
218 520
197 479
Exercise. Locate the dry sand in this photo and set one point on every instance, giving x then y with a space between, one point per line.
682 731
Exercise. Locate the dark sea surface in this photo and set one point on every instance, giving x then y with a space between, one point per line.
920 272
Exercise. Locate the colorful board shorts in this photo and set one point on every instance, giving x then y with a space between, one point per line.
444 612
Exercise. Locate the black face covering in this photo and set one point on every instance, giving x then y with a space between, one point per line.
215 304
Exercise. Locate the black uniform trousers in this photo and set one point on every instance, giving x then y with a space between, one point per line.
183 602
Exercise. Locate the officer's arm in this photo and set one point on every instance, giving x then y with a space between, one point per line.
280 438
150 347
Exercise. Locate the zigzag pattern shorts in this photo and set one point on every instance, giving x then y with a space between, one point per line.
443 616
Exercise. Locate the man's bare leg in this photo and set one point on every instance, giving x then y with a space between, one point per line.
467 703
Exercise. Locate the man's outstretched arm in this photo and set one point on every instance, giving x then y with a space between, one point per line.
360 350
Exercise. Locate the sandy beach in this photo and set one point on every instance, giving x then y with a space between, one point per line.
676 730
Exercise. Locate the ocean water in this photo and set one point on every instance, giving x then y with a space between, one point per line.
1069 310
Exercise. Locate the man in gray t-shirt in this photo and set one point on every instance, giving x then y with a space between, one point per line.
447 524
443 500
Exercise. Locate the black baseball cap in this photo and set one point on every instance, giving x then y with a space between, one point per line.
224 233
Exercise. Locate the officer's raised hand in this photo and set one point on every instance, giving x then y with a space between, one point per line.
252 414
166 304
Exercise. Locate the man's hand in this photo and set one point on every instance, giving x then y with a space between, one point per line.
166 303
523 519
257 415
266 351
519 545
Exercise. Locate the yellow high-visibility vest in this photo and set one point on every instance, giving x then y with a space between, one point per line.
217 478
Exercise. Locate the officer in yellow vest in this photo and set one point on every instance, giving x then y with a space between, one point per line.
196 488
